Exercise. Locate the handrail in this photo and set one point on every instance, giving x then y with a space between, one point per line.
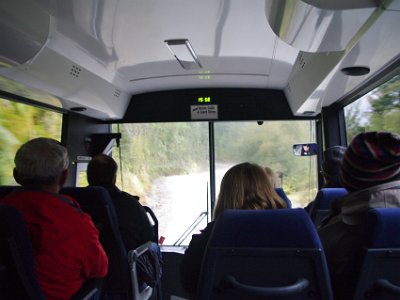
188 231
295 288
388 287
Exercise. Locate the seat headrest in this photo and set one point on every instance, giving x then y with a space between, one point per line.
383 228
275 228
94 194
325 196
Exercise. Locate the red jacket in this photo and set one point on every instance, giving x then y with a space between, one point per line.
65 241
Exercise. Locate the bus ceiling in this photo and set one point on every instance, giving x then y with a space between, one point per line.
99 57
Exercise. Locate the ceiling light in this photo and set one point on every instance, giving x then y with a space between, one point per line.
184 53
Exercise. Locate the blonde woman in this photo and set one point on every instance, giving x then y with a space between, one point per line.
273 177
244 186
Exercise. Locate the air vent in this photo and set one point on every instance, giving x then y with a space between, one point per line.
75 71
117 93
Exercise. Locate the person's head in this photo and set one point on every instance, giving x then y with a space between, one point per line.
273 178
372 158
306 147
102 170
41 162
246 186
331 163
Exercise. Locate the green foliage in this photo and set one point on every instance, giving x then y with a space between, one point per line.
385 103
18 124
161 149
165 149
384 114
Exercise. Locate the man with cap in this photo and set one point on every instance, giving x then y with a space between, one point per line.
331 163
370 171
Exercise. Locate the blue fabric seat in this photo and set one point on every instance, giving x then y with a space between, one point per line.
283 195
379 277
96 201
268 254
5 189
323 200
17 276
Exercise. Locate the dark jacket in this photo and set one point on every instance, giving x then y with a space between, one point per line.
134 224
342 233
191 262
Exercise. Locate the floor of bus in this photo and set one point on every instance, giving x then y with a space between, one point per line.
171 284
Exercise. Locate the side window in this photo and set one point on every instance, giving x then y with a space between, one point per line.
379 110
18 124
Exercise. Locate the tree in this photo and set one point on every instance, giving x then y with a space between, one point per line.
385 103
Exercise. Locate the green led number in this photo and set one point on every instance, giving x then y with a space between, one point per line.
204 99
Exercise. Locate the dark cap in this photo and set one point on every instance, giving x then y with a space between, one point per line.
372 158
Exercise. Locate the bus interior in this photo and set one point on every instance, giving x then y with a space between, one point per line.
179 91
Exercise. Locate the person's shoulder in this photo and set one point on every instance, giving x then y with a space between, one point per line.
128 197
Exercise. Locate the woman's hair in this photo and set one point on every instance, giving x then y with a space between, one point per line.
40 161
102 170
246 186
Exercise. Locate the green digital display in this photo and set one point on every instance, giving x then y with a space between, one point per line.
204 99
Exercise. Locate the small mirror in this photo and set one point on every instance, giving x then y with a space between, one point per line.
305 149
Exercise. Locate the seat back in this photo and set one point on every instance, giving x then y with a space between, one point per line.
153 222
17 276
5 189
139 292
380 277
323 200
97 203
268 254
283 195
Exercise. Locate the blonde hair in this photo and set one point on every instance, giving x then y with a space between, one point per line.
246 186
273 178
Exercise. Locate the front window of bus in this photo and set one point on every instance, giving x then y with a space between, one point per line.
18 124
270 145
379 110
167 166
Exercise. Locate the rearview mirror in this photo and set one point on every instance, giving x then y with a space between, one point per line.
305 149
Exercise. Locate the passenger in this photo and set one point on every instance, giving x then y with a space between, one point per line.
332 160
244 186
370 171
305 150
65 241
134 224
331 163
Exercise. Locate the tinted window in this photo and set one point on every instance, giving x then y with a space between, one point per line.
18 124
